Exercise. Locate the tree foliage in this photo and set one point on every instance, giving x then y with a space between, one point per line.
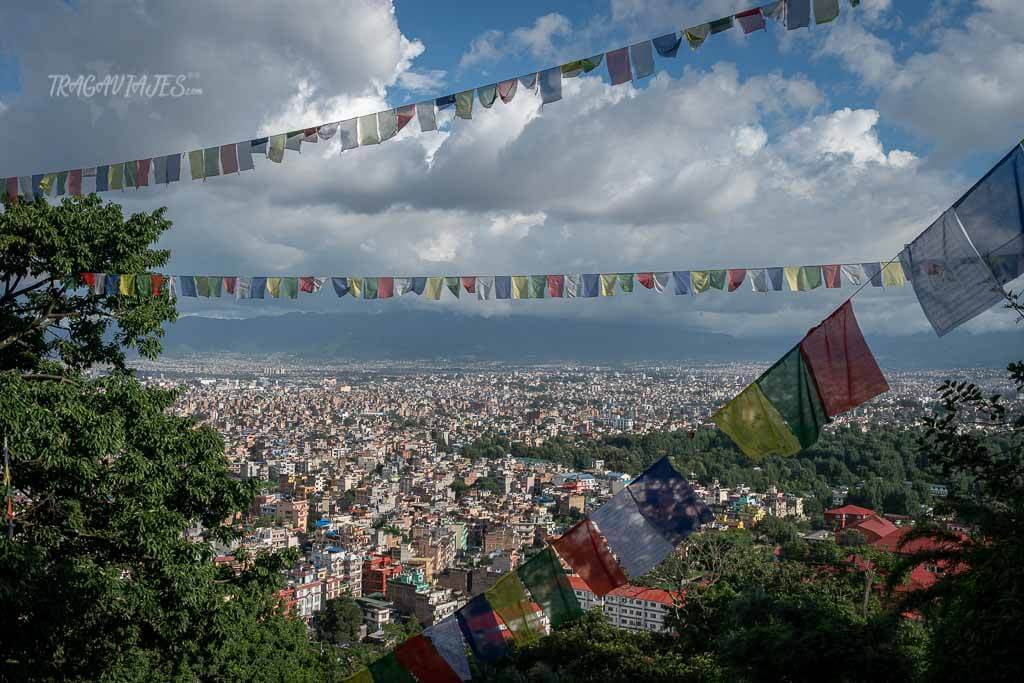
339 621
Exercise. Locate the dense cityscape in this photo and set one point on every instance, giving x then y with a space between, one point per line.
361 468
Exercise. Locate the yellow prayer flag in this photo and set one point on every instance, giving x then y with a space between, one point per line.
355 287
792 274
700 280
893 276
756 425
608 281
196 164
520 287
434 286
274 287
126 285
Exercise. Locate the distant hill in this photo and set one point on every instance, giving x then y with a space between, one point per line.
417 335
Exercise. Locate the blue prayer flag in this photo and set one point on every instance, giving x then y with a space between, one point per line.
775 277
668 502
668 44
112 284
340 285
591 284
502 286
681 280
873 271
482 630
419 285
258 289
551 85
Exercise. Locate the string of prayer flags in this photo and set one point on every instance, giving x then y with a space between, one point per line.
419 657
544 578
831 371
951 281
584 549
446 637
803 278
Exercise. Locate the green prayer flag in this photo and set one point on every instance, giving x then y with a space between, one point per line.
196 164
509 598
544 578
203 285
289 287
716 278
370 285
572 69
275 151
361 676
538 286
388 670
143 286
453 284
464 104
62 179
626 282
216 284
591 63
129 173
719 25
809 278
826 10
791 388
755 425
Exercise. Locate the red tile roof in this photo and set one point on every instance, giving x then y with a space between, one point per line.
878 526
850 510
891 543
629 591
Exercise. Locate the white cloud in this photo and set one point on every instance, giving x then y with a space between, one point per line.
537 41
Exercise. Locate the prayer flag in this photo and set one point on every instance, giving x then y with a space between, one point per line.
572 69
419 657
854 272
327 131
556 286
273 287
340 285
668 44
843 366
700 281
484 287
874 273
275 152
591 63
646 280
385 287
482 629
306 284
243 289
419 285
112 285
156 284
642 58
751 20
202 286
433 290
719 25
74 182
355 287
832 279
445 101
259 145
798 14
388 670
591 284
825 11
369 288
173 168
368 134
775 11
520 287
626 282
716 278
12 188
387 124
992 214
446 637
28 191
893 276
951 281
668 502
775 278
736 276
116 177
803 278
507 90
661 281
584 549
99 287
405 115
348 131
469 284
89 279
453 284
141 173
426 116
215 285
403 285
544 578
289 287
464 104
229 158
211 161
487 94
619 70
126 285
696 35
572 285
550 85
538 283
529 81
759 280
311 134
257 287
102 178
361 676
608 281
40 185
681 279
293 140
510 599
230 285
637 543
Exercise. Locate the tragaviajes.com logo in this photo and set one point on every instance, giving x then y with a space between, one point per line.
123 85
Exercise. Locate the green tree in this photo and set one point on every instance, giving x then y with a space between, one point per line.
339 621
109 573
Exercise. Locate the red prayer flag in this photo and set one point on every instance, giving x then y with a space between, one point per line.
585 550
507 90
142 172
556 286
751 20
230 282
405 115
156 284
736 277
75 182
646 279
469 283
306 285
842 364
229 158
419 657
12 189
385 287
89 279
832 280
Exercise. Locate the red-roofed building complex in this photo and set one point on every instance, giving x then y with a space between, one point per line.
630 607
846 516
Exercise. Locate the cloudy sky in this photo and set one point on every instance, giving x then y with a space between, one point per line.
835 144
